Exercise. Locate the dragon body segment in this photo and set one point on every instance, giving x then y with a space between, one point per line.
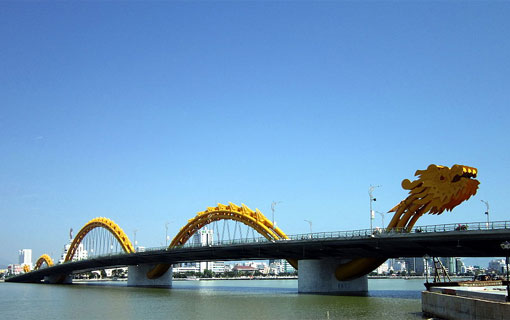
436 189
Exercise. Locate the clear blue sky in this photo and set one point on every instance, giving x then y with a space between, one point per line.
151 112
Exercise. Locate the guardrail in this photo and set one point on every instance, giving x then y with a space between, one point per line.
352 234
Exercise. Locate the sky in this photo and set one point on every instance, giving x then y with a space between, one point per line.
149 112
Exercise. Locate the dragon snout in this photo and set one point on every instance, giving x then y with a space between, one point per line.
464 172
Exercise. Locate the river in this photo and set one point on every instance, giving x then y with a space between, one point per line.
217 299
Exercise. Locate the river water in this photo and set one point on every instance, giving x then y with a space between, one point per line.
216 299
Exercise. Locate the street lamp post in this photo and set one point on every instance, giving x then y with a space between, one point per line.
426 258
370 190
273 205
506 246
310 223
134 238
382 218
166 234
487 212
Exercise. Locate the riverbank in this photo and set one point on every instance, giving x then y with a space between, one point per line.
461 302
271 278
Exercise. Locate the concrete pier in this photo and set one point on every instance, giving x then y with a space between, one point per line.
318 276
463 303
137 277
58 279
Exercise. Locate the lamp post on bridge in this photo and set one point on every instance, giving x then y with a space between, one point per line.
134 238
370 190
382 218
166 233
310 223
486 211
273 205
506 246
426 258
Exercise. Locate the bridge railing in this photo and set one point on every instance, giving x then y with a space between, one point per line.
352 234
362 233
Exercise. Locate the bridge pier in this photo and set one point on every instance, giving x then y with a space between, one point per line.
137 277
58 279
318 276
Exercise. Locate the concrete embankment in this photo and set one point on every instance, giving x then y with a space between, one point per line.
465 303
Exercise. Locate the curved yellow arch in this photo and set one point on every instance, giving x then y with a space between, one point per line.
42 259
254 219
107 224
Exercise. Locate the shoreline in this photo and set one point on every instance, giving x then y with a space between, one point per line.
267 278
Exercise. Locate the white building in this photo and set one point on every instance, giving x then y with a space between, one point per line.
399 266
280 266
25 257
14 269
203 237
186 267
80 254
383 268
497 265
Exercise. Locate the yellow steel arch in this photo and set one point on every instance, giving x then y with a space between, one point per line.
43 259
107 224
254 219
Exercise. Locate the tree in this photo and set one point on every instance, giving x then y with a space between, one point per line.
208 273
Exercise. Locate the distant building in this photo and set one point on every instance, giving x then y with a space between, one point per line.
25 257
204 237
14 269
399 266
186 267
80 254
383 268
245 269
415 265
461 267
278 266
450 264
497 265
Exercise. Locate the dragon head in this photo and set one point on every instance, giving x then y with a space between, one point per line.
442 188
438 188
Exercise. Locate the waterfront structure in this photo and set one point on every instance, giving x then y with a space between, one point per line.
384 268
81 252
14 269
399 266
204 237
186 267
325 269
279 266
450 264
460 266
25 258
498 266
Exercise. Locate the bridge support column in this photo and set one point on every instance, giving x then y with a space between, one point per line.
318 276
59 279
137 277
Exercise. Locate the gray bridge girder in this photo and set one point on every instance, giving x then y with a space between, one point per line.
386 245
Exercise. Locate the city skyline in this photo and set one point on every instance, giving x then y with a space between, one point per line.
147 115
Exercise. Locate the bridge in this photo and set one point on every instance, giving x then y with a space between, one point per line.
329 262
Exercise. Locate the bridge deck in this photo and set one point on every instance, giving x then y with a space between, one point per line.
476 243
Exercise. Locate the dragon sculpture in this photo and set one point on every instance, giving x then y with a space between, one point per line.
436 189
